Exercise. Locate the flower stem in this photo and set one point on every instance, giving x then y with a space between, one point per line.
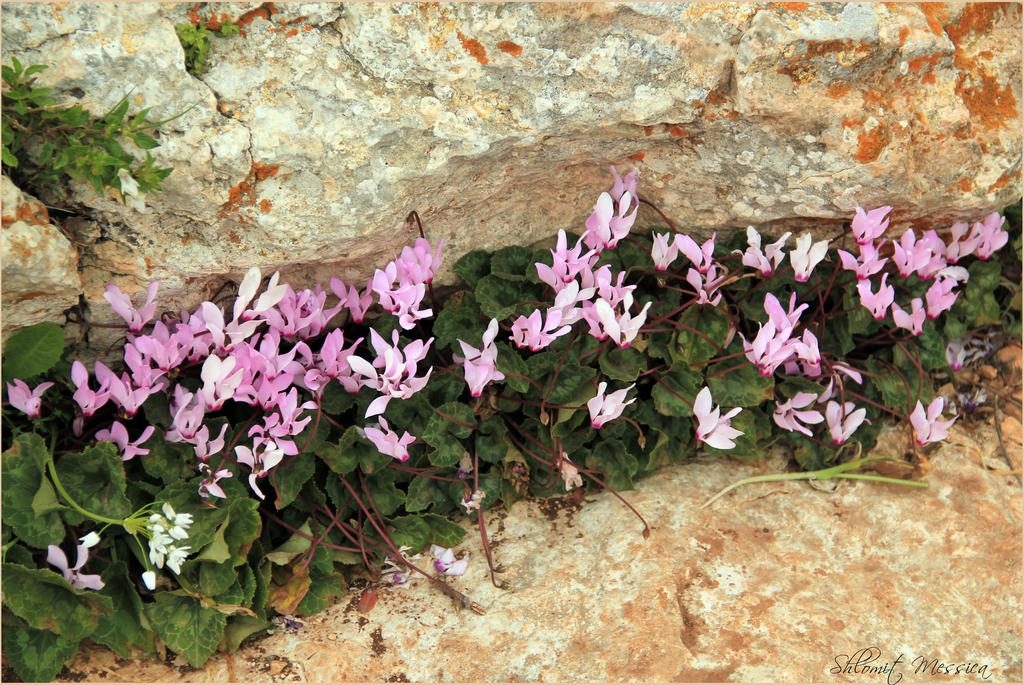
73 503
838 471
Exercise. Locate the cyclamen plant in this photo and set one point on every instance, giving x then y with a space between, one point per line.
269 447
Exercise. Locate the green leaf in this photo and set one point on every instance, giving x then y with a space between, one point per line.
615 462
498 297
186 626
419 530
167 461
321 593
48 602
673 395
23 481
738 387
473 266
423 493
448 452
386 497
459 319
238 628
144 140
216 578
512 365
95 480
350 450
33 350
704 336
513 263
289 479
292 547
622 364
335 399
492 442
126 627
37 655
457 420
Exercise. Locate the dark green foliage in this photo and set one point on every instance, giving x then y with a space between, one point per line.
46 144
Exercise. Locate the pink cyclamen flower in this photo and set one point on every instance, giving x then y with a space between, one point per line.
536 333
867 264
566 263
791 413
416 264
772 256
400 296
393 372
701 255
118 435
221 378
273 294
80 581
805 256
622 328
664 250
843 420
444 561
927 426
26 399
870 225
387 441
990 235
911 255
940 296
355 303
607 408
706 284
260 461
122 306
473 501
87 399
914 321
605 227
876 302
714 429
209 485
206 448
623 185
479 365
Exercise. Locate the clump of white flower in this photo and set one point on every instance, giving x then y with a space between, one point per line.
166 532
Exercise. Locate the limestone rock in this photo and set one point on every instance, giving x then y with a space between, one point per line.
773 583
316 132
40 265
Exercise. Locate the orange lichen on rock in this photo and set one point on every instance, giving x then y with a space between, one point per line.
793 6
31 213
648 130
676 131
935 13
837 89
510 47
637 156
265 205
264 171
965 185
292 32
870 145
1004 180
915 64
904 32
149 265
473 47
990 105
264 11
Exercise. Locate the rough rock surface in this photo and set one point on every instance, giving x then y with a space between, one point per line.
318 130
775 582
40 265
